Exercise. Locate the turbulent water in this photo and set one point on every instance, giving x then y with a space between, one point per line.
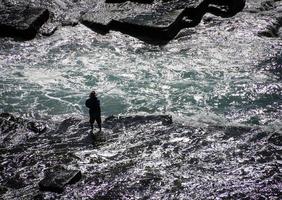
220 82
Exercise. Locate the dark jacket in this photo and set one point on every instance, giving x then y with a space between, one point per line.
94 106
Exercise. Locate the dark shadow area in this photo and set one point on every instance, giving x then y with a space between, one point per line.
97 27
148 34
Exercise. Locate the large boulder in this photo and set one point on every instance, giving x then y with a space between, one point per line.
149 23
56 178
22 22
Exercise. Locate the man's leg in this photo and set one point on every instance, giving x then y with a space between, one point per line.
92 126
91 123
99 121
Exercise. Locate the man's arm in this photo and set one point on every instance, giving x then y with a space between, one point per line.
87 103
98 107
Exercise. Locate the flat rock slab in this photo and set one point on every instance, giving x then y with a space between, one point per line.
154 18
23 22
113 121
56 178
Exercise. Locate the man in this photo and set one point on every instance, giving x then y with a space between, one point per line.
94 110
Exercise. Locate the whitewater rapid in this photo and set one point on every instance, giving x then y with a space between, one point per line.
214 70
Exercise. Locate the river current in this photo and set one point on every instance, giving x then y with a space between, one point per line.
220 73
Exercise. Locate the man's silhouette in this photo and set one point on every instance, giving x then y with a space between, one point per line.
93 104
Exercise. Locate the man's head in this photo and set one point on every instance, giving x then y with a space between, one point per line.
92 94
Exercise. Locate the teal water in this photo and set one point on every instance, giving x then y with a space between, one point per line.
215 73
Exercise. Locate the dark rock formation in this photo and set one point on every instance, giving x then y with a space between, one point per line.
3 190
272 30
222 8
162 24
272 9
10 123
22 22
138 119
48 29
57 178
152 22
37 127
276 139
15 130
15 182
112 167
267 5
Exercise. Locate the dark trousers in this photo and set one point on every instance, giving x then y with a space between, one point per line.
94 118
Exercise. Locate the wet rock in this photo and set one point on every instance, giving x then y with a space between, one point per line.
157 24
236 131
276 139
64 126
266 154
270 170
221 8
267 5
9 122
16 130
152 25
272 30
23 22
3 190
149 142
70 22
48 29
38 197
7 116
258 136
15 182
138 119
161 30
36 127
57 178
273 10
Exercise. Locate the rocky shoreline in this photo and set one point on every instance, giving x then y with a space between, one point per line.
149 22
65 158
145 20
